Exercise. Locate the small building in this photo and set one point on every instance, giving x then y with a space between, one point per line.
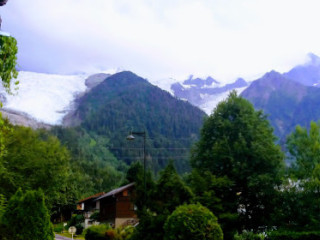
117 207
87 207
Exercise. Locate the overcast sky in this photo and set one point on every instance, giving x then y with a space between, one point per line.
164 38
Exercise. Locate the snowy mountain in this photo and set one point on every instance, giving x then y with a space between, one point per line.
44 97
205 93
48 98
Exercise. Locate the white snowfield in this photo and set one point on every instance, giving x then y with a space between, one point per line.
45 97
49 97
211 101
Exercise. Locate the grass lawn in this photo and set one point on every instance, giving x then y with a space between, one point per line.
66 234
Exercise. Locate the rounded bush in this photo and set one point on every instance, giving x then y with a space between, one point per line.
97 232
192 222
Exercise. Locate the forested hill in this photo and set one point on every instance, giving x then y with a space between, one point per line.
125 102
286 102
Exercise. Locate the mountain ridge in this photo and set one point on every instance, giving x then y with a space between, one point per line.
286 102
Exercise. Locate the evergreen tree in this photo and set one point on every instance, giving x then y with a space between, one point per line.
162 198
26 217
237 143
171 191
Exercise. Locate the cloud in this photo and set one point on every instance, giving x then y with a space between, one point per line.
158 39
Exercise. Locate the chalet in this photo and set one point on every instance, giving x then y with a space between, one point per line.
87 207
115 207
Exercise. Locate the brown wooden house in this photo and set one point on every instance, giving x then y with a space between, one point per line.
87 207
117 207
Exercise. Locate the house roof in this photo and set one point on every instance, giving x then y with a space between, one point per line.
91 197
115 191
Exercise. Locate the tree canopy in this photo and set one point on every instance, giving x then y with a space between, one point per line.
237 143
300 203
36 159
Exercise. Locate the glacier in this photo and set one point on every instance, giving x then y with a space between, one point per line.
45 97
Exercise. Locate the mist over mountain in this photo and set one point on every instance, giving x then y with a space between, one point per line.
307 74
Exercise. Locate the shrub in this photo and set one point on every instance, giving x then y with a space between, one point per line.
292 235
58 228
192 222
97 232
27 217
95 216
248 235
121 233
76 220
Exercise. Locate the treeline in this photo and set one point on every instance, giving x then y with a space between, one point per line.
239 174
33 160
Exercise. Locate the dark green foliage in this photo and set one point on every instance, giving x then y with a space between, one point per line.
35 159
304 148
214 193
94 166
134 172
192 222
143 199
5 130
58 228
248 235
162 198
125 102
3 205
8 61
120 233
27 217
97 232
292 235
171 191
76 221
150 226
95 216
299 207
237 144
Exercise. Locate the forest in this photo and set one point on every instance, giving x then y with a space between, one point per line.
237 186
238 177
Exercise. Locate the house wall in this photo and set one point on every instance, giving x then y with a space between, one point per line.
118 209
108 210
124 221
125 207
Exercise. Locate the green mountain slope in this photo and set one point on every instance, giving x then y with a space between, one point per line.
287 103
125 102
